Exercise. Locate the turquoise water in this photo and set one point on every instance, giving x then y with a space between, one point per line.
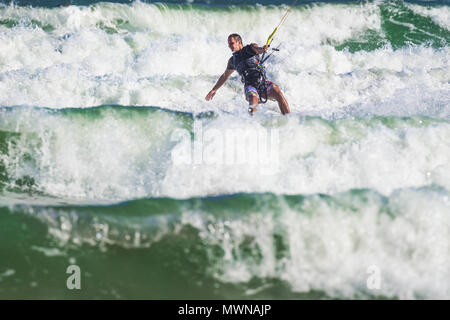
111 159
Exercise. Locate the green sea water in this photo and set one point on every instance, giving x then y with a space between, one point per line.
99 101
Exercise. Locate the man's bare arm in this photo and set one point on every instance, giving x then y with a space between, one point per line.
219 83
259 50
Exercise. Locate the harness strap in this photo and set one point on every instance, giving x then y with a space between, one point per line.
262 92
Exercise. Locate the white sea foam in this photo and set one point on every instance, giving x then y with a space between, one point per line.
440 14
312 158
62 155
150 55
172 57
331 245
117 154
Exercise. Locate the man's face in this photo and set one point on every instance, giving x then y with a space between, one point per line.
234 45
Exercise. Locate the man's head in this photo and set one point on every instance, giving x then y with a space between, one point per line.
235 42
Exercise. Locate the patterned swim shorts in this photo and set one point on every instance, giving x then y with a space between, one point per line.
251 91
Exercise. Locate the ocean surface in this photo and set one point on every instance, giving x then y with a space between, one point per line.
111 159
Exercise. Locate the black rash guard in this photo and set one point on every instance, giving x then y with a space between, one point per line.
246 63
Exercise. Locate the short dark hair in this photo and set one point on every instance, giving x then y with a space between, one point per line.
236 37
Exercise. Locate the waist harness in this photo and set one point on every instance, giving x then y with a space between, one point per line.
247 64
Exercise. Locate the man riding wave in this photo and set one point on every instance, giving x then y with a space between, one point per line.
247 63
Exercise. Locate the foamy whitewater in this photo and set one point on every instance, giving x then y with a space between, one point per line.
111 159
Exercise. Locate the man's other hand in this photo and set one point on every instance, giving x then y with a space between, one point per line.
210 95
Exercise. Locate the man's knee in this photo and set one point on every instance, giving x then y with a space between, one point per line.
276 93
279 93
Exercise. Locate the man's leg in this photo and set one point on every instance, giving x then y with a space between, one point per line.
252 97
253 103
275 93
